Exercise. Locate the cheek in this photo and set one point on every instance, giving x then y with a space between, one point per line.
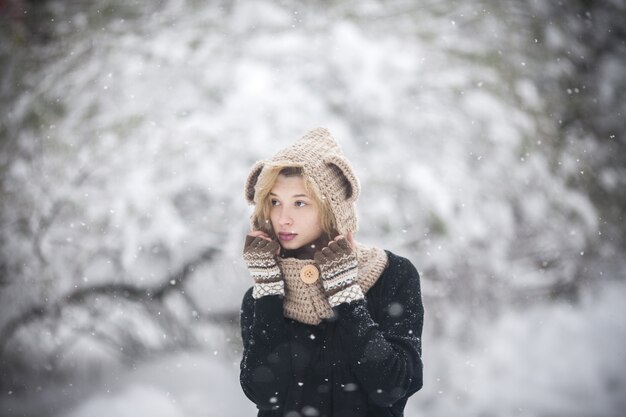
273 216
314 220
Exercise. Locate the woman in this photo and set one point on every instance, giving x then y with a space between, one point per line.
331 328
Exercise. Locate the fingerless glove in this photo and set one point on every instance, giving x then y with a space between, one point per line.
339 266
259 255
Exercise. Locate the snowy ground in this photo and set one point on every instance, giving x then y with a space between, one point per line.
129 118
548 361
185 385
556 360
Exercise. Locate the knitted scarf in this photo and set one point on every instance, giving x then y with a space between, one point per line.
307 303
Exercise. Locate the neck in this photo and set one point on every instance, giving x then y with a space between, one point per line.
307 251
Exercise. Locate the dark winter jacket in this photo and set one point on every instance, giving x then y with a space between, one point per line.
365 362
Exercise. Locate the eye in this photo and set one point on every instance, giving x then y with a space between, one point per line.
274 202
300 203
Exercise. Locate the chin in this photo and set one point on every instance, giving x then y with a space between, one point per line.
291 245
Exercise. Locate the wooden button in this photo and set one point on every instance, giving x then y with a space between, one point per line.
309 274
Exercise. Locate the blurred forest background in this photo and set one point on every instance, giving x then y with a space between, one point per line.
489 137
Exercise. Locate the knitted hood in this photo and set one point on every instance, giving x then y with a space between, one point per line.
321 160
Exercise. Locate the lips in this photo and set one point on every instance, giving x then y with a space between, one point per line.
286 237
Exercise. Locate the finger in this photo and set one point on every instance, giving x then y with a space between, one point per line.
259 233
320 256
334 246
327 252
350 238
274 247
343 244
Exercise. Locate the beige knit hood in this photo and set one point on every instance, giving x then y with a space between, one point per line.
322 160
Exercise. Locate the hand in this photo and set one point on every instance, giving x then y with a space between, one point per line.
262 235
339 270
259 254
350 237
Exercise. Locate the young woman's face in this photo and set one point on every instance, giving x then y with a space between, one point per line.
294 214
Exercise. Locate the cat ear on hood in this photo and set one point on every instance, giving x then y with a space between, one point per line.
342 168
253 177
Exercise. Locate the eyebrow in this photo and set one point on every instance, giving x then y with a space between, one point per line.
295 195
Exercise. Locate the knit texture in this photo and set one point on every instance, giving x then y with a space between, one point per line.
346 295
366 362
308 303
338 264
321 160
259 255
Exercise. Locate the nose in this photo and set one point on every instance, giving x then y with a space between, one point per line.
284 217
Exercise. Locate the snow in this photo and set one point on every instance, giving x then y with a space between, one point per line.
133 132
183 385
544 360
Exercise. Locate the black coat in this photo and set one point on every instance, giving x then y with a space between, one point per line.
364 362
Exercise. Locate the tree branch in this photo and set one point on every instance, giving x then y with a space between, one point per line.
127 291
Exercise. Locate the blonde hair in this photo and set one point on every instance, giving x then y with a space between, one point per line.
263 204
